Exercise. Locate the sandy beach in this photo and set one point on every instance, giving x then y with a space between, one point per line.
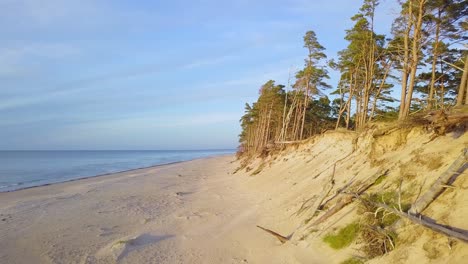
207 210
190 212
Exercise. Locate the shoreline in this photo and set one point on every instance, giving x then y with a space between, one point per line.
111 173
172 213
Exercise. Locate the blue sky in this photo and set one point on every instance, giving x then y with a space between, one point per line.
89 74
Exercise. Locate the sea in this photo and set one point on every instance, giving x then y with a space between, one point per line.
25 169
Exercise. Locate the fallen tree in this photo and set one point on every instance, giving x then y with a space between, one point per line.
425 221
447 178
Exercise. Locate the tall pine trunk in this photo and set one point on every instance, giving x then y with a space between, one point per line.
415 56
463 85
405 66
435 54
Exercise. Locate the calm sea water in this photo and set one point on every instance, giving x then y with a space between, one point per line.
22 169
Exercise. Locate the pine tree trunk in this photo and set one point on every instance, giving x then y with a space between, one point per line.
382 84
405 68
463 85
435 54
306 100
342 107
369 76
415 57
352 89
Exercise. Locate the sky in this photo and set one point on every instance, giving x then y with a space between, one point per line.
97 74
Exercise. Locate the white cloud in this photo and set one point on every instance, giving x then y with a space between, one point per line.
17 60
45 12
79 86
133 124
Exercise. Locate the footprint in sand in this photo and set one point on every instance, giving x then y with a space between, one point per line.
121 248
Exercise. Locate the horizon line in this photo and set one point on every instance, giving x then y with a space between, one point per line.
220 149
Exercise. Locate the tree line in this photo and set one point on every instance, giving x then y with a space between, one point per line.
425 57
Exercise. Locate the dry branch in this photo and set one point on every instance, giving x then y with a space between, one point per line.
291 141
281 238
338 206
326 191
338 192
424 221
305 205
344 202
457 167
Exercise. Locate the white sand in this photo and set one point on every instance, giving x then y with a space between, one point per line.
199 212
191 212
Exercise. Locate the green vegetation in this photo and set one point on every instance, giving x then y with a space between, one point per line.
380 179
381 218
376 240
122 242
258 170
344 237
352 261
420 56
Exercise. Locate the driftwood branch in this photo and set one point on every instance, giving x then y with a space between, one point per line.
291 141
320 204
347 199
335 209
424 221
457 167
305 205
338 192
281 238
326 191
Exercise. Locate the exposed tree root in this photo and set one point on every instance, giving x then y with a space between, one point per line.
425 221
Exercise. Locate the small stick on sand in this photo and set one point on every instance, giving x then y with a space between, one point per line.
281 238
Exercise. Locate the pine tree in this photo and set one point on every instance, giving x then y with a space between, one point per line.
310 80
364 67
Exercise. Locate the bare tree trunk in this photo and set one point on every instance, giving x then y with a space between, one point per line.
457 167
344 201
463 85
306 101
466 91
267 130
297 116
442 87
415 57
435 54
352 89
348 115
286 117
405 68
369 75
358 107
342 106
283 123
424 221
382 84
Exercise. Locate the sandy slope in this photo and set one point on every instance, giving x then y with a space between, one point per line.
298 176
191 212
